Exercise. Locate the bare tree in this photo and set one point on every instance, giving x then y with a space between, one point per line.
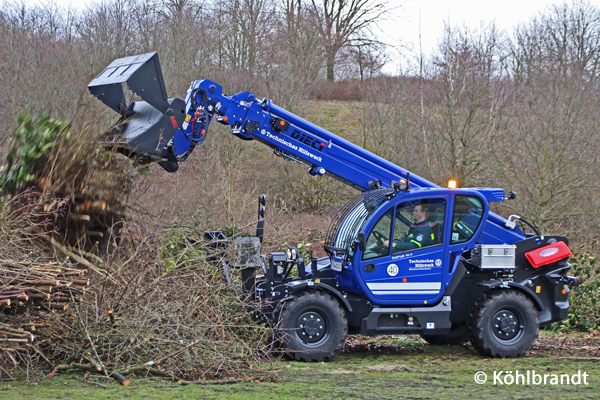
245 37
564 39
341 22
469 75
184 41
386 118
369 57
107 31
552 157
38 62
295 59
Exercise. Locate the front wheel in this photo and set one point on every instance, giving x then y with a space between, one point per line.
313 326
503 324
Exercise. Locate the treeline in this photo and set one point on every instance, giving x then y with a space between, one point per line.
516 110
272 47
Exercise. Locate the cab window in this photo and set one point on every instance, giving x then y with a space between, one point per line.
466 217
418 224
381 232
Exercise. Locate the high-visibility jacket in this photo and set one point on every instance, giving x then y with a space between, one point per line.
418 236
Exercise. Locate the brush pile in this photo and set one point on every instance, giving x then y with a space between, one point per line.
53 158
33 286
149 306
28 292
48 285
146 312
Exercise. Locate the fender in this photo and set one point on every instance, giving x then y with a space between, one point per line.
523 289
292 288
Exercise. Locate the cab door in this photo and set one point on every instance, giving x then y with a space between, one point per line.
413 248
405 256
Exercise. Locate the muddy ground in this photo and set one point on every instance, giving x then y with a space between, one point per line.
387 367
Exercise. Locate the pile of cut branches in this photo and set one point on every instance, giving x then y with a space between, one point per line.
150 317
52 157
47 285
154 306
30 291
147 312
33 286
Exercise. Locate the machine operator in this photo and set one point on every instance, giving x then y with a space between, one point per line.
419 234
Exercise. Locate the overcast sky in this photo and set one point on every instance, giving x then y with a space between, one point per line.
409 17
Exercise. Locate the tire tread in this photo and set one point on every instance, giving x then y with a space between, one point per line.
479 334
316 354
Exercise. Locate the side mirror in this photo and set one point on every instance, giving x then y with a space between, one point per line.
362 241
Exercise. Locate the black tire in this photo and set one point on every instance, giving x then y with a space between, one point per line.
458 335
503 324
324 335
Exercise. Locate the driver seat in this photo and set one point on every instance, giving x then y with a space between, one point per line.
437 230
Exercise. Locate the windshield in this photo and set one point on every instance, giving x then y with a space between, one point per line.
352 218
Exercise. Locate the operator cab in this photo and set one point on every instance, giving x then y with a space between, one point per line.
412 242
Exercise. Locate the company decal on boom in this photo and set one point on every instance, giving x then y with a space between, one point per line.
308 140
294 147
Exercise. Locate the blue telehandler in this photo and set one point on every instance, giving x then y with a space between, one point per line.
405 256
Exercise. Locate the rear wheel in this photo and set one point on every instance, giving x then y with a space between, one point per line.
313 326
503 324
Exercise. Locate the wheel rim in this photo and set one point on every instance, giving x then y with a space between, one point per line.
312 327
507 326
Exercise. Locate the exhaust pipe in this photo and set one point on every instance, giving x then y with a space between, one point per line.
146 128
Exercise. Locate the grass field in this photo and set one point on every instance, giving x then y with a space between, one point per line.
382 368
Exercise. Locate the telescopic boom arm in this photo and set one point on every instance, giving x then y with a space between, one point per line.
291 137
167 130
